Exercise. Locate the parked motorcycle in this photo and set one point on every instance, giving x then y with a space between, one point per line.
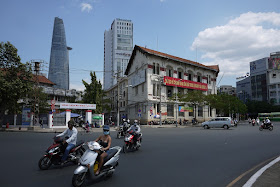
266 126
55 152
89 164
129 144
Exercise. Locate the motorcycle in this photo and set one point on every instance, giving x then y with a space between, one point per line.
266 126
88 164
55 152
129 144
122 131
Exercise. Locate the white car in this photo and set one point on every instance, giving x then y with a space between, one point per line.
218 122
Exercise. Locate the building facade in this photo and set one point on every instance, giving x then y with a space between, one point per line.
59 58
118 45
258 74
155 77
118 95
227 89
243 89
273 75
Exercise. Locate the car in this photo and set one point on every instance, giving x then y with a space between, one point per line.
218 122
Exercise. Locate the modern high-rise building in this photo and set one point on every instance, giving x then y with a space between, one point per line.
59 60
118 46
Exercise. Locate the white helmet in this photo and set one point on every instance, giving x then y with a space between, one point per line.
135 121
128 120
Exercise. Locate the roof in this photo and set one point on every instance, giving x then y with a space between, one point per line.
164 55
42 79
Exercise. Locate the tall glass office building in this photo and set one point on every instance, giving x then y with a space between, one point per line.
118 46
59 60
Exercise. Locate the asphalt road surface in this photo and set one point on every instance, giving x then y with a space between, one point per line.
168 157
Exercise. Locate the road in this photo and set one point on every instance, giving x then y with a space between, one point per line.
168 157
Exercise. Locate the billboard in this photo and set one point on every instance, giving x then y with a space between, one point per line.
185 109
274 63
26 116
170 81
78 106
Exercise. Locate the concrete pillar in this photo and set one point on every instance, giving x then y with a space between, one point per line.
50 120
68 117
103 119
31 120
15 120
89 116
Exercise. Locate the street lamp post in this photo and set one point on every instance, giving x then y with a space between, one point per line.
159 80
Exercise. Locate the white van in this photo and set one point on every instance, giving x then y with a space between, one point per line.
218 122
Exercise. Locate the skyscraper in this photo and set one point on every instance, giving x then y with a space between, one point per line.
59 60
118 46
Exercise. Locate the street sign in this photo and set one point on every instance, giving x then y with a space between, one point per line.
52 107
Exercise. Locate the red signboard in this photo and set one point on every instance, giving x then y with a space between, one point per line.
170 81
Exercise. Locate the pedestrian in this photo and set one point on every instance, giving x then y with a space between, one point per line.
180 121
41 123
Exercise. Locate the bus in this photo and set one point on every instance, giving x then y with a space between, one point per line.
273 116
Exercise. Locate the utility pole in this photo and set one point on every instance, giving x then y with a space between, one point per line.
118 99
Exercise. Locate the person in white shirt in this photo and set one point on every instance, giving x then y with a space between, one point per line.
267 122
72 133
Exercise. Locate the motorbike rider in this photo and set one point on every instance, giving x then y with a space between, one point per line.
267 122
136 128
72 133
258 120
105 141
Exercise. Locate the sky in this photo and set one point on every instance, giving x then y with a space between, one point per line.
229 33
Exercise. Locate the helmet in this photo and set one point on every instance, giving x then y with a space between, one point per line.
106 130
128 120
135 121
123 119
266 117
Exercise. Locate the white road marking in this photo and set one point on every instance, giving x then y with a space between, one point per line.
253 179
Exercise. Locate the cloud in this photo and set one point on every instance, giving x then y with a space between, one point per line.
233 46
86 7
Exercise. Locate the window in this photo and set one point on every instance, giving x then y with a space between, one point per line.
124 103
158 108
136 90
200 111
191 113
170 110
274 75
123 94
169 90
156 68
198 78
190 77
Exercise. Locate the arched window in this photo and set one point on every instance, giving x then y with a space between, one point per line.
180 73
169 71
190 75
199 77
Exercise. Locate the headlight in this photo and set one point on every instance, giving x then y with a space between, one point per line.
53 149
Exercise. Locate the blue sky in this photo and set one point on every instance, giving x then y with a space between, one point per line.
229 33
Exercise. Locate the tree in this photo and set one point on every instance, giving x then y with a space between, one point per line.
44 107
15 80
194 98
95 95
226 104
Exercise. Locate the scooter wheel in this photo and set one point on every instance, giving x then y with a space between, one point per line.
260 128
78 179
270 128
44 163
